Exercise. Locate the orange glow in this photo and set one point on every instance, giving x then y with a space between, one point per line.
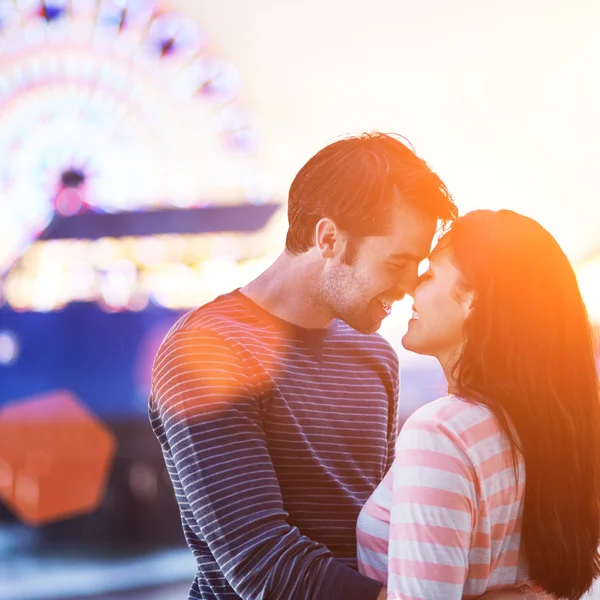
194 359
55 457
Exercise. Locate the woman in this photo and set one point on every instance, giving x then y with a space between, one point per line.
497 484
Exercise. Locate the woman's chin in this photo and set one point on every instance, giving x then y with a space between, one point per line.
410 343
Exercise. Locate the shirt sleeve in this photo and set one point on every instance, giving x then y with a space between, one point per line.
207 400
394 406
432 511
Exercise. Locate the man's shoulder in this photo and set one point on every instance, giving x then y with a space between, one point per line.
203 342
224 317
213 330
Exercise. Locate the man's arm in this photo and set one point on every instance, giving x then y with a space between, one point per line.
522 593
210 413
393 412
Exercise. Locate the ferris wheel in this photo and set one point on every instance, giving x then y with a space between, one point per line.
109 106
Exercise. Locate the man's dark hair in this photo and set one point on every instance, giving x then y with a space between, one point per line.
353 181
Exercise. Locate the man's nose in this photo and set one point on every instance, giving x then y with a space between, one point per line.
409 282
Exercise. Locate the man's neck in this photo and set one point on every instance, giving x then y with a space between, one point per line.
287 289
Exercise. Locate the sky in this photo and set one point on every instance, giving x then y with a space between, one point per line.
501 98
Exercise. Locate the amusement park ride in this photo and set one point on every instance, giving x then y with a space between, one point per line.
131 190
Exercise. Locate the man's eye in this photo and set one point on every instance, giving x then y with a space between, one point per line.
395 266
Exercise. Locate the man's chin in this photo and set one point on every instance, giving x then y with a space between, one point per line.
359 323
366 328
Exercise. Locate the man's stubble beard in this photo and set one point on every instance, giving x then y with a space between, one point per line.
335 294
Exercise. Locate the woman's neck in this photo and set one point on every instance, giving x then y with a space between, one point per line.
448 360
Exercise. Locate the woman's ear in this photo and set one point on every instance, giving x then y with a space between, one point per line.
472 300
467 300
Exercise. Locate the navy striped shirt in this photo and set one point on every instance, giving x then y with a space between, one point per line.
274 437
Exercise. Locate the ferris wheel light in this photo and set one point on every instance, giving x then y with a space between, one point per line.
127 97
99 89
117 285
51 10
9 348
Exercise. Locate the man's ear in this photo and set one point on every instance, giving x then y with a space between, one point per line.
329 240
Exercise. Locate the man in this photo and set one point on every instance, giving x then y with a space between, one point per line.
275 405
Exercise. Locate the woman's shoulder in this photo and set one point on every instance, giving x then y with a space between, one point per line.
451 409
457 418
463 432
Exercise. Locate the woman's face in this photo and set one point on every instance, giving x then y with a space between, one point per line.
441 307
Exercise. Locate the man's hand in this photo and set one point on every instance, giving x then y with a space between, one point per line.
523 593
383 594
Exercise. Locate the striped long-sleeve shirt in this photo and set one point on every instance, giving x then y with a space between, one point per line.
445 522
274 437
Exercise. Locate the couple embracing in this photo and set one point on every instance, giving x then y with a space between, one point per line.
276 404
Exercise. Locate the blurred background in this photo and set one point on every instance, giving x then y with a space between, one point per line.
146 150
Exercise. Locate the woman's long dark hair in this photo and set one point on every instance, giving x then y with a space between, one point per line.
529 357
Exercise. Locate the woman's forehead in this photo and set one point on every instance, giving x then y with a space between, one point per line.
441 253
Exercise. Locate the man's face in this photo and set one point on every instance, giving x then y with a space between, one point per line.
382 270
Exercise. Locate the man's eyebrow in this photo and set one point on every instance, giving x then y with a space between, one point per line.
407 256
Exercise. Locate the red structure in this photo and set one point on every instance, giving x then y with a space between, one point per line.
55 457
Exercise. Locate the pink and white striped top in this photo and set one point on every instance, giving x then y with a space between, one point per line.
445 522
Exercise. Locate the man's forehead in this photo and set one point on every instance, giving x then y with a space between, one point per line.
399 248
412 232
408 236
415 246
403 248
